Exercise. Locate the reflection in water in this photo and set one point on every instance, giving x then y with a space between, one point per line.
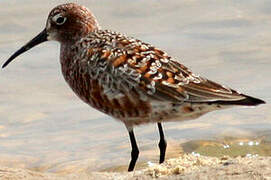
43 126
230 146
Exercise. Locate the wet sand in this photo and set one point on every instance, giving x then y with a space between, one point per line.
187 166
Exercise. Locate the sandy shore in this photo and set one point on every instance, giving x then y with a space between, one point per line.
188 166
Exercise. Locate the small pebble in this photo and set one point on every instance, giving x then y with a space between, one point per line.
250 143
226 146
150 164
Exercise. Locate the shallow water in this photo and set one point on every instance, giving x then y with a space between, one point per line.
44 126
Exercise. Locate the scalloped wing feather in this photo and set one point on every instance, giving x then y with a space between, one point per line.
133 64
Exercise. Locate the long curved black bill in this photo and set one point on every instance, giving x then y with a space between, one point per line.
41 37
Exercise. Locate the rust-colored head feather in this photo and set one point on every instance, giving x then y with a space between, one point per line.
69 22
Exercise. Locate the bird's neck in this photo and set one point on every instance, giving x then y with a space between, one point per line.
66 56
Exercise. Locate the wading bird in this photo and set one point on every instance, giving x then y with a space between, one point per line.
128 79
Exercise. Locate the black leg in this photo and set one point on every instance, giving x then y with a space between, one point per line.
135 151
162 144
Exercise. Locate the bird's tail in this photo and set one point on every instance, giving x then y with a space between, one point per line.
247 101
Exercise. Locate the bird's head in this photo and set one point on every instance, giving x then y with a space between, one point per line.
66 23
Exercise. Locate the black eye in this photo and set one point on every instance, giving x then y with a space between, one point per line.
60 20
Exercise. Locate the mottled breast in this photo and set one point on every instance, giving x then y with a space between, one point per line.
95 70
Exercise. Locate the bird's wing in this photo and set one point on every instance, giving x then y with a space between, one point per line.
138 65
167 79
